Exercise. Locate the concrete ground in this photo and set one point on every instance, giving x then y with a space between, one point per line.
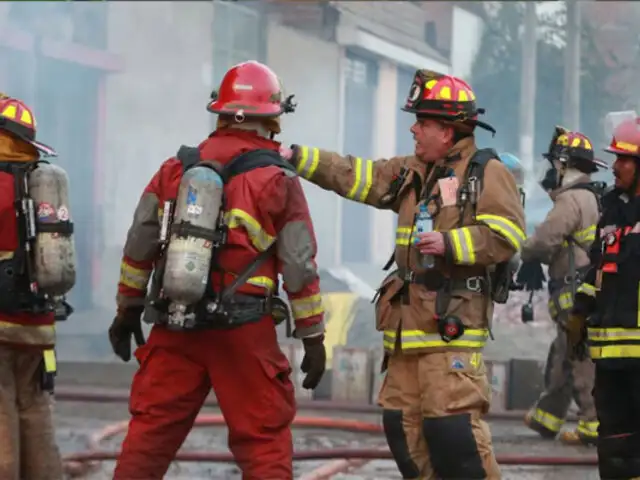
75 422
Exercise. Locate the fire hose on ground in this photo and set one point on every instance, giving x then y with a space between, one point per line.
80 463
97 395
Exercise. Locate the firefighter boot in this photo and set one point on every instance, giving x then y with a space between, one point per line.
537 427
585 434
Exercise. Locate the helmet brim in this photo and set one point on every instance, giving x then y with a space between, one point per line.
44 149
247 110
616 151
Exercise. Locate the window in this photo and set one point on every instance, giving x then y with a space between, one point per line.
239 34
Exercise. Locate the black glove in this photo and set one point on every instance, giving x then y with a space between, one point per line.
127 324
531 275
314 361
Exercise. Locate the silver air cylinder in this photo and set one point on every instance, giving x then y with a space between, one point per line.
54 254
188 256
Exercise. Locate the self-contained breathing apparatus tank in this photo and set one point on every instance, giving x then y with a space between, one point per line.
191 230
54 254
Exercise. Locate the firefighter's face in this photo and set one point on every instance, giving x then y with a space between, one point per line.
624 170
432 139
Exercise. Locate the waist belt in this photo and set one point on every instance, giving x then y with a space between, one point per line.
560 283
435 281
241 309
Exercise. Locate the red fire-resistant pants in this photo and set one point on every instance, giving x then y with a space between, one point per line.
250 377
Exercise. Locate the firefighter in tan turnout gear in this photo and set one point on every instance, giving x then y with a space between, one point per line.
434 309
562 241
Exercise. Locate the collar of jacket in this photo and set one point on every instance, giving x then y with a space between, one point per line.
461 150
581 179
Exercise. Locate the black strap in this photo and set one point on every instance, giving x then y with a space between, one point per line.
597 188
243 163
242 278
188 156
481 158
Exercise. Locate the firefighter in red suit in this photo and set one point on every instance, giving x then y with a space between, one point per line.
243 364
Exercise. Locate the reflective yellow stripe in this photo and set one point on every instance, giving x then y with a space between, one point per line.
587 289
564 301
4 255
362 181
50 364
133 277
236 218
504 227
584 237
403 236
307 307
27 334
463 251
613 334
305 167
410 339
588 429
550 422
615 351
262 282
609 335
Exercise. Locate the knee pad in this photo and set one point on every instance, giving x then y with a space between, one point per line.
397 441
619 456
453 448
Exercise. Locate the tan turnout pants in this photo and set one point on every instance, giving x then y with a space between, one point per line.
433 407
28 449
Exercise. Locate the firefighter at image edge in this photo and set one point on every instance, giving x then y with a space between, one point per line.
606 315
266 224
434 309
562 241
28 447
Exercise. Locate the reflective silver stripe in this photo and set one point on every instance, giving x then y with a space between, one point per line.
363 179
308 161
613 334
403 236
504 227
133 277
409 339
584 237
307 307
462 243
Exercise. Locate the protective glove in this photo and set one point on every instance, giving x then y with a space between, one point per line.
314 361
531 275
287 153
127 324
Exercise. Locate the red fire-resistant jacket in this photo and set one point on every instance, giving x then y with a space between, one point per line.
261 205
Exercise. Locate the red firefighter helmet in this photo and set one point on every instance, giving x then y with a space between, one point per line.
18 119
626 139
433 95
250 89
575 149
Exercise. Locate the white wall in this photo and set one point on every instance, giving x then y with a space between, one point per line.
383 221
466 35
310 68
155 105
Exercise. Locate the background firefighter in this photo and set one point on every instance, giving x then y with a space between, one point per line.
609 297
241 361
434 320
562 241
28 448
